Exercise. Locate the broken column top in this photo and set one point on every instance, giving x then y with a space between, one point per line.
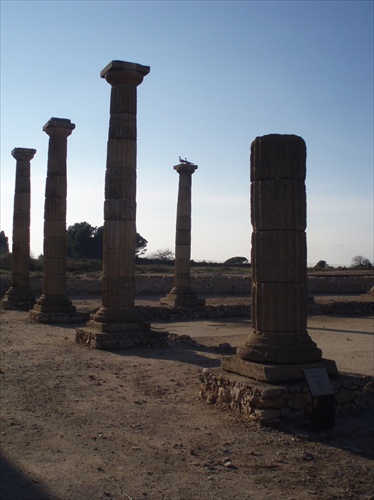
57 125
124 72
277 156
23 153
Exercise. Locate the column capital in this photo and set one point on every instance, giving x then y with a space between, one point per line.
59 126
117 72
185 168
25 154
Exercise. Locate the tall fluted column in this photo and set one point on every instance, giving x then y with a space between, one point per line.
181 295
19 295
54 299
118 324
279 257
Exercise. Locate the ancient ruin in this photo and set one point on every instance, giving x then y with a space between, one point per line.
54 306
279 346
19 296
181 294
118 324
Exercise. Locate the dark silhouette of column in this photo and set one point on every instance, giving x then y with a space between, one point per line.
279 257
19 295
118 324
54 299
181 294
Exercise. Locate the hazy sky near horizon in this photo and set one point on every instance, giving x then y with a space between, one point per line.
222 73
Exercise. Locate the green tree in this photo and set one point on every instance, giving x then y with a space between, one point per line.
4 245
360 261
165 254
80 242
321 264
84 241
236 261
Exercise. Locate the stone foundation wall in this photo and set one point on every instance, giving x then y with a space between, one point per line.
207 284
268 404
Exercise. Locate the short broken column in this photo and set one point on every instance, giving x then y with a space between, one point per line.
279 345
118 323
19 296
264 380
181 294
54 306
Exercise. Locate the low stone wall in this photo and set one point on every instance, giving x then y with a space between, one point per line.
269 404
203 285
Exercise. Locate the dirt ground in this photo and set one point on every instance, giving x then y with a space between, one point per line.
80 424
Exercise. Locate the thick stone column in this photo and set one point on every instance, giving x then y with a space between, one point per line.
181 294
19 295
118 324
54 305
279 257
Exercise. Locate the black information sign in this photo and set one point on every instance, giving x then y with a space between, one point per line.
323 398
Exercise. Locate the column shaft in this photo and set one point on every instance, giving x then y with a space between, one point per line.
54 299
19 296
181 294
118 292
279 255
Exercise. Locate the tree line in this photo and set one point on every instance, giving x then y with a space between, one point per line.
84 241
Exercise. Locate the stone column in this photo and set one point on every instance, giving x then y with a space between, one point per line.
181 294
279 257
19 295
118 324
54 301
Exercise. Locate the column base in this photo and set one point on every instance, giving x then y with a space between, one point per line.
54 304
58 317
267 372
279 348
186 299
17 298
113 336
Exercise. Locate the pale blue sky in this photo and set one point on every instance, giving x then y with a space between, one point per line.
221 74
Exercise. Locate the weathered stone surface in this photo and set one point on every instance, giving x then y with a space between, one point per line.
269 347
280 256
120 340
273 372
279 290
277 156
53 298
279 307
287 205
19 295
117 324
181 294
247 396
